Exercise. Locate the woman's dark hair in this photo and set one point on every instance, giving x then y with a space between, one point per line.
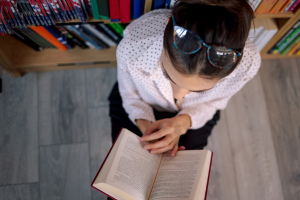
224 22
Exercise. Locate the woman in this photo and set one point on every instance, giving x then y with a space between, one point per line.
177 68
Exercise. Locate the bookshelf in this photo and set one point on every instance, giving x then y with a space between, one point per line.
18 59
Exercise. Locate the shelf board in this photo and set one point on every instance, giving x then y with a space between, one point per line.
105 21
277 56
278 15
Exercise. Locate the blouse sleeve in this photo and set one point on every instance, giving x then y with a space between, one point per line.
132 102
200 113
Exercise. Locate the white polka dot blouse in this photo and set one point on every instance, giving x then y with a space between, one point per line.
143 86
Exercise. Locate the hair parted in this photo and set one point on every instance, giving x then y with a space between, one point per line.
223 22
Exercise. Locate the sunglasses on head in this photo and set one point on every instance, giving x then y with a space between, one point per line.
187 42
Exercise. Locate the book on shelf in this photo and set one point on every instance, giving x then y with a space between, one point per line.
125 11
58 37
103 8
278 6
291 44
19 35
148 6
294 49
129 172
137 7
42 31
285 5
92 28
276 46
157 4
114 10
96 41
294 6
287 41
110 33
264 31
265 6
288 6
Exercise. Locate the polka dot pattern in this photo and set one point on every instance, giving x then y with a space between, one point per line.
143 86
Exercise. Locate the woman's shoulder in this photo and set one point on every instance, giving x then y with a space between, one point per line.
251 61
143 39
149 24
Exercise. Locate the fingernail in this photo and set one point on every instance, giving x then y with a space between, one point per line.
146 147
153 151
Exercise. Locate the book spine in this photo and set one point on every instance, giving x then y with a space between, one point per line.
58 37
44 42
285 5
103 8
125 11
293 49
26 40
100 35
288 7
158 4
283 38
262 7
114 10
296 40
288 40
270 6
95 9
296 51
49 37
113 35
34 39
137 8
72 37
148 5
120 28
294 6
89 42
167 3
278 6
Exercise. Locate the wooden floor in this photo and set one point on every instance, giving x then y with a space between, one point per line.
55 133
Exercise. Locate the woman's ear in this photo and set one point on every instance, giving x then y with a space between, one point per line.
167 21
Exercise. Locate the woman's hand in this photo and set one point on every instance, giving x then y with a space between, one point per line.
167 132
143 125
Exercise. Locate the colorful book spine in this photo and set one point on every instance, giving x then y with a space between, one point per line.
288 7
294 6
285 5
58 37
95 9
49 37
262 6
114 10
288 40
167 3
100 35
294 49
137 8
148 5
109 32
158 4
103 8
278 6
296 25
26 40
296 40
125 11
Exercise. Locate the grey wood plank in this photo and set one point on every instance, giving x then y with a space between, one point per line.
20 192
19 130
100 142
99 83
65 172
254 156
222 183
62 107
281 84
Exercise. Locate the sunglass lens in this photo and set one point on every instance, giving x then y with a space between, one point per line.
221 56
186 41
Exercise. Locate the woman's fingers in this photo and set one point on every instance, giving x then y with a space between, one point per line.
174 151
158 134
163 149
181 148
159 144
151 128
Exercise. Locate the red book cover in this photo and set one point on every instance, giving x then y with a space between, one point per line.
125 11
109 153
114 10
294 6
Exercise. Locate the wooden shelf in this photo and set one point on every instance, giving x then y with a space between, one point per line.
105 21
277 56
278 15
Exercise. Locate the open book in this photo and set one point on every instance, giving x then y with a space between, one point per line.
130 172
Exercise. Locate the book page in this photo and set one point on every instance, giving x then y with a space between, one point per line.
179 176
134 168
